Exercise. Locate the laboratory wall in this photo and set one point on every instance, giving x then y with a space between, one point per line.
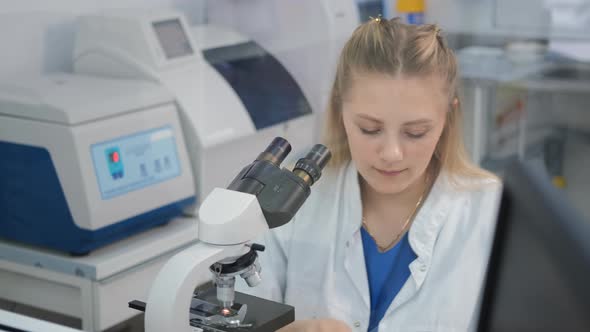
510 18
38 36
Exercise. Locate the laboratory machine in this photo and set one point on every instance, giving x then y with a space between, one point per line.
260 197
232 93
88 161
306 36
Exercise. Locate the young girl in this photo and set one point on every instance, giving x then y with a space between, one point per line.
396 235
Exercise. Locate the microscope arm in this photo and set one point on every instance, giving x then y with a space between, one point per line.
172 291
228 220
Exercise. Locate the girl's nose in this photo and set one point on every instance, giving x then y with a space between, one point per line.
391 150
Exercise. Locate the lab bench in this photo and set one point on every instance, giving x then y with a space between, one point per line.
535 111
485 72
95 288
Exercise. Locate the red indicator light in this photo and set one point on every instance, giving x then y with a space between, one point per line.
115 157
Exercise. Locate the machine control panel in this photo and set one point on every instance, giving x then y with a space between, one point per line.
135 161
173 38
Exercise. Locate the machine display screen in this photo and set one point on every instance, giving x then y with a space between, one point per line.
136 161
173 38
265 87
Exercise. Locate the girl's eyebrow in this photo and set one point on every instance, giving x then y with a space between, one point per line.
409 123
368 117
418 122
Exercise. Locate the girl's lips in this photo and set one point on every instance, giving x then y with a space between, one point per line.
388 173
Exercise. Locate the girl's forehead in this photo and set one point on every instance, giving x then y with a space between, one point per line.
365 83
386 92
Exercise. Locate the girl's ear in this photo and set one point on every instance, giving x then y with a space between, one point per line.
455 103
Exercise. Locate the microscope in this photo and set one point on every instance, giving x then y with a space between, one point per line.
262 196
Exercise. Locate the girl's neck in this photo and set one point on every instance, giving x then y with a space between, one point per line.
407 198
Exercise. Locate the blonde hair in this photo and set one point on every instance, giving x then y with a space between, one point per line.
394 48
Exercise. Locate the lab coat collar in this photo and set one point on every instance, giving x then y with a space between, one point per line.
353 207
422 234
427 226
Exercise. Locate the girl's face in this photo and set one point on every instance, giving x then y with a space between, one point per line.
393 126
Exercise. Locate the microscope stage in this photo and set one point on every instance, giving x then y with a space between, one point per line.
264 315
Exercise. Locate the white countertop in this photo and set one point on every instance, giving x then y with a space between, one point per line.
112 259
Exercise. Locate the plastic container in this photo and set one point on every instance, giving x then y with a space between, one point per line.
411 11
526 51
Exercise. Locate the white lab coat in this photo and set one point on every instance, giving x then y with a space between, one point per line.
316 261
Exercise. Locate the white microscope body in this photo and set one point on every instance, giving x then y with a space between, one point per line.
262 196
229 220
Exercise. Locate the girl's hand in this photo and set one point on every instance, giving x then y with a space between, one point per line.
316 325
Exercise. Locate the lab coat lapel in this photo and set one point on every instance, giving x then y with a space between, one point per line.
354 257
354 264
422 236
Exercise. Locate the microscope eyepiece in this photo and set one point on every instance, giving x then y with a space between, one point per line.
320 155
310 167
281 192
276 151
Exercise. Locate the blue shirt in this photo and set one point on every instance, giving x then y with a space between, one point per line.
387 273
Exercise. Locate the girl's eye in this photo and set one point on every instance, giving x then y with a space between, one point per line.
370 131
415 135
